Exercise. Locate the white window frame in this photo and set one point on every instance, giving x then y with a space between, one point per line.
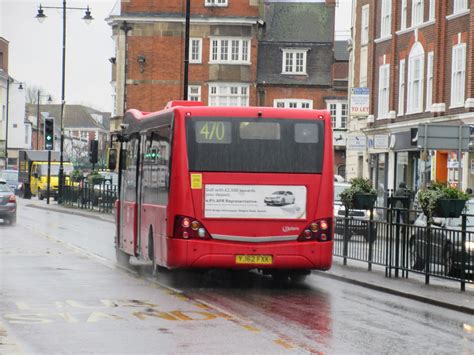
459 6
458 75
293 103
417 12
364 32
293 59
415 82
339 120
216 3
429 80
194 93
432 10
221 50
386 19
229 94
198 59
403 14
401 88
363 66
383 108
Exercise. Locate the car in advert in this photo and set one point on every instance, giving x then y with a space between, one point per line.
358 224
446 247
11 178
280 198
7 203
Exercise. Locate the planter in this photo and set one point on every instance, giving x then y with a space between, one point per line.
449 208
364 201
97 180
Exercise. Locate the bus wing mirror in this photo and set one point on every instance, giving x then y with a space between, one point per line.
112 159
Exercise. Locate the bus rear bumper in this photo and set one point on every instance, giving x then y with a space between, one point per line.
209 254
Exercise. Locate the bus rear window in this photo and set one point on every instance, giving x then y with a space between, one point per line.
249 145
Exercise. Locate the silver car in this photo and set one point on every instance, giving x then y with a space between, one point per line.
7 203
280 198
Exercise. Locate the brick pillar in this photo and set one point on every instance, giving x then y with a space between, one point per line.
439 91
470 59
394 57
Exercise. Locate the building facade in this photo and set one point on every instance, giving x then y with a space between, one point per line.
241 53
416 57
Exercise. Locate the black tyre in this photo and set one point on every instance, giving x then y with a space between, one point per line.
298 278
122 257
416 260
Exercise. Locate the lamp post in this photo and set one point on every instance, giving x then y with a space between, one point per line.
38 116
20 87
87 18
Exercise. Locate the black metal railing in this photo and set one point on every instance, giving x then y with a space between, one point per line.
88 195
391 237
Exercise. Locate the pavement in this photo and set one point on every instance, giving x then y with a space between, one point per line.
439 292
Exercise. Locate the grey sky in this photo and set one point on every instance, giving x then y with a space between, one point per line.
35 49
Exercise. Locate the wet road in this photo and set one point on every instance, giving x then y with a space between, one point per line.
60 291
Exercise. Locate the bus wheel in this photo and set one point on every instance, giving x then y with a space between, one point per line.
123 259
298 278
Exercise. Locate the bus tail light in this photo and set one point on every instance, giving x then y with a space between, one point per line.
189 228
319 230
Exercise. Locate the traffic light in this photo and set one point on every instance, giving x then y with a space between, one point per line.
93 151
112 159
49 133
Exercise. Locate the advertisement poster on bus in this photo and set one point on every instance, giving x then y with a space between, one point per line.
255 201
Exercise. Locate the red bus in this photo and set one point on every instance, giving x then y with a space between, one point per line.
219 187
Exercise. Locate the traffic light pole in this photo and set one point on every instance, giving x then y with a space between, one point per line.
49 177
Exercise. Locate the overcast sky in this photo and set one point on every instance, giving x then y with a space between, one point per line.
35 49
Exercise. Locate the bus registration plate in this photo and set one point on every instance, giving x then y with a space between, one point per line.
254 259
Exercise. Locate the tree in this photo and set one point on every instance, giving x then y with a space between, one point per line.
32 94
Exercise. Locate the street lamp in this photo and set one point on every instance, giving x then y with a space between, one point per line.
87 18
38 116
20 87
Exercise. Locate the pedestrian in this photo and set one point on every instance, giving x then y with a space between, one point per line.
404 202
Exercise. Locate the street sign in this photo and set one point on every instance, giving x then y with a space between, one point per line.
381 141
356 142
443 137
360 100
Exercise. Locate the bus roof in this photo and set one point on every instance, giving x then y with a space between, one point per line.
138 120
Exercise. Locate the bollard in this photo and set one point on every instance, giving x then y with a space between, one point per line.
463 253
345 238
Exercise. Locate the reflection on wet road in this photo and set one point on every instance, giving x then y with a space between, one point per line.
78 297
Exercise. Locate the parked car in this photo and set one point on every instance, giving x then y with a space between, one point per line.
359 222
280 198
11 177
445 242
7 203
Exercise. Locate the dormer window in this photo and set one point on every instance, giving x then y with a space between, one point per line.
294 61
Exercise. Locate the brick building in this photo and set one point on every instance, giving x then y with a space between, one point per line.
416 57
242 53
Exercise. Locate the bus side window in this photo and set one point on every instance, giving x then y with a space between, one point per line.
156 166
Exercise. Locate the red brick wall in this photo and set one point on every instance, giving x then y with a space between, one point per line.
438 37
235 7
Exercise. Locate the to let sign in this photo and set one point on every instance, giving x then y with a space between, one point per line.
360 102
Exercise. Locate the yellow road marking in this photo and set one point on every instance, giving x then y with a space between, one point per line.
468 328
251 328
283 343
